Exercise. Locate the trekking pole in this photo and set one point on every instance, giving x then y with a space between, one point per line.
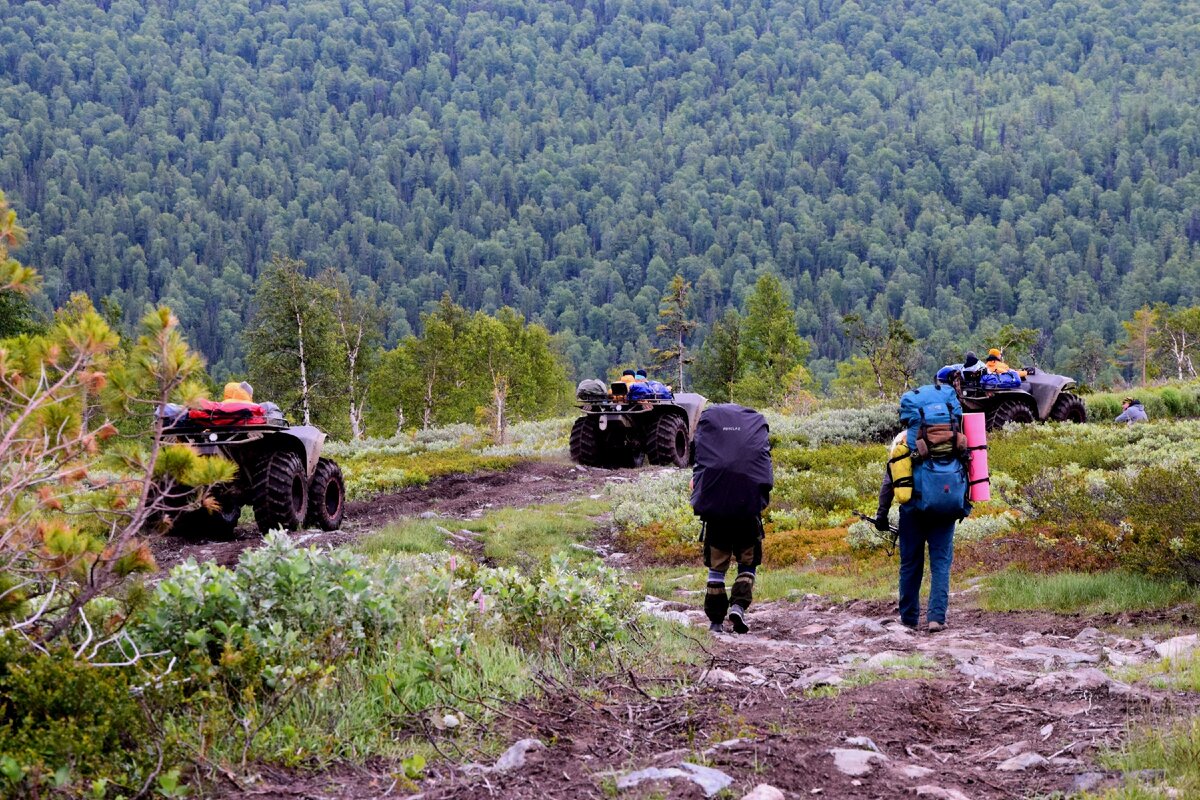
891 541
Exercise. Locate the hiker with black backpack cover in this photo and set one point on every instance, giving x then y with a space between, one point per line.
731 487
927 472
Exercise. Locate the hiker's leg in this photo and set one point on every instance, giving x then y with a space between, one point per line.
912 567
940 535
716 602
748 566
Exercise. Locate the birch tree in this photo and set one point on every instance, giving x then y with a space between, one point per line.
292 343
358 328
1178 339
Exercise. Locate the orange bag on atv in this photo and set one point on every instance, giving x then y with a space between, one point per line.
228 413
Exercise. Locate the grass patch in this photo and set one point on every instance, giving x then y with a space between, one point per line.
1175 750
901 668
1070 592
859 579
1180 674
404 536
370 473
526 537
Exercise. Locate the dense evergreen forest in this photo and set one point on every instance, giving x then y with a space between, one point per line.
957 164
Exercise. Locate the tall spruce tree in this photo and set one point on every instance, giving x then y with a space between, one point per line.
674 328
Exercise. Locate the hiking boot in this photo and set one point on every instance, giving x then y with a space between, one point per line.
935 627
716 627
736 617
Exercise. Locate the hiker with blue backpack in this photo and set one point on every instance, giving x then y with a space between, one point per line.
731 487
927 473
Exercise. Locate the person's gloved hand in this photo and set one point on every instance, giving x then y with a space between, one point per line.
881 523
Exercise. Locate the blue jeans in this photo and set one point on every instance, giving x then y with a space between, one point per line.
916 531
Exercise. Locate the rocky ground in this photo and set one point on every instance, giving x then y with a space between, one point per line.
819 700
843 702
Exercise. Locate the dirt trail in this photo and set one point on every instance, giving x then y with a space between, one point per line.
820 700
451 496
842 702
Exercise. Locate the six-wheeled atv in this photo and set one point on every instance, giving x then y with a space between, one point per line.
280 473
1042 397
615 431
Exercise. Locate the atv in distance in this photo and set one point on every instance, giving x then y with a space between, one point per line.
1041 397
616 431
280 473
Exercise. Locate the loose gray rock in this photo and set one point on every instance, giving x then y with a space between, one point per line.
914 771
940 793
1087 781
863 743
1119 659
884 660
999 675
711 781
718 677
1179 646
1045 653
516 756
863 625
1089 679
753 674
764 791
1024 761
855 762
815 678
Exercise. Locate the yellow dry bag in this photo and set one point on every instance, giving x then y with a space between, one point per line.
900 467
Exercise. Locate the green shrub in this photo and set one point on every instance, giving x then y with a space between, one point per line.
1173 401
67 724
1164 526
282 613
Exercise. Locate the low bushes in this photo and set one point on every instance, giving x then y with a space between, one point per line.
1174 401
65 724
294 656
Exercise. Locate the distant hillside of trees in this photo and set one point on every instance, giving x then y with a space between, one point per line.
958 165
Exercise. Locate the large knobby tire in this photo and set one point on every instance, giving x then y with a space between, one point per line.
1068 408
326 496
669 442
280 495
200 523
1008 412
585 443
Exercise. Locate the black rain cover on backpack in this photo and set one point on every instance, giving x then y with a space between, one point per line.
733 475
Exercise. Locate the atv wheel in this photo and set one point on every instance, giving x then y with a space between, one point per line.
1008 412
1068 408
280 494
326 496
669 445
585 445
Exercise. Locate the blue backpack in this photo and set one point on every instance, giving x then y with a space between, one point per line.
935 441
650 390
1001 380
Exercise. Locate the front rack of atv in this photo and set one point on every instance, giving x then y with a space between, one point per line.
188 433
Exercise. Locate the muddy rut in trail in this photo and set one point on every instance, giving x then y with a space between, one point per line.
840 701
453 496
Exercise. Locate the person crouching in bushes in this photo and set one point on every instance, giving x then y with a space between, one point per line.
1132 411
731 487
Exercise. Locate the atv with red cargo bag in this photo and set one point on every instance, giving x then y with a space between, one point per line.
280 470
